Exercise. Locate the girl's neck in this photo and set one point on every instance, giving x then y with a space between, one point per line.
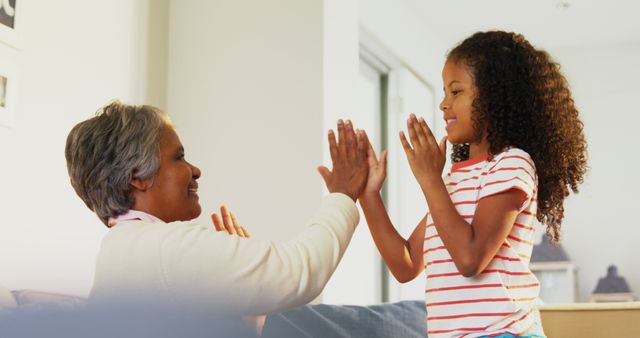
478 149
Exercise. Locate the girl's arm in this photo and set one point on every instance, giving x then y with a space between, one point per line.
404 258
472 246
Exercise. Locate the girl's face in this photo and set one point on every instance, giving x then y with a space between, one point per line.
459 92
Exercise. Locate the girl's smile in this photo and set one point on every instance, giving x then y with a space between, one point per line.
457 107
449 121
457 104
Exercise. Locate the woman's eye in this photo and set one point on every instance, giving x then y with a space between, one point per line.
455 92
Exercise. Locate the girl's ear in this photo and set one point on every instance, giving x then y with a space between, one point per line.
141 185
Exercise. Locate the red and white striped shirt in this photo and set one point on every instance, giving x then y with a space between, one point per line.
501 298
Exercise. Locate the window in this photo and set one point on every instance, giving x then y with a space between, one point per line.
358 278
386 97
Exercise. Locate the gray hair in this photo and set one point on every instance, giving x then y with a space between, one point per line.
105 152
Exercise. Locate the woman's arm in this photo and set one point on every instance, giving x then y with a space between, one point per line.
271 276
249 276
274 276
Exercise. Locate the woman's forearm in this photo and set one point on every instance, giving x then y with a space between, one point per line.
392 246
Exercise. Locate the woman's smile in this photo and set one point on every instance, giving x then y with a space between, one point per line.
193 189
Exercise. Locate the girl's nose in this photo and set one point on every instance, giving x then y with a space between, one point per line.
444 106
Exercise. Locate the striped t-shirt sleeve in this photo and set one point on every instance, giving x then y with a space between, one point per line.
514 169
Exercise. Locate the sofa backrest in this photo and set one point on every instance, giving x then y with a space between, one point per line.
7 301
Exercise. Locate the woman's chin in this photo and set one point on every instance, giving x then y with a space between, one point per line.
190 212
197 210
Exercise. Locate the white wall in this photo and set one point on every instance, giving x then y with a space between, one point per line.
253 86
405 35
600 226
389 30
246 93
340 101
75 56
394 33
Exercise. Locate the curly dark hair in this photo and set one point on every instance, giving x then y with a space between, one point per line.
523 100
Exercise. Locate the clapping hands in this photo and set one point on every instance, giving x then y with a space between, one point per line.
349 157
228 223
426 157
377 168
357 170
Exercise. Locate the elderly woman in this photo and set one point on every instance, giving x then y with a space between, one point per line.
127 164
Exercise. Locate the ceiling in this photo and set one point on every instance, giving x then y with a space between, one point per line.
546 23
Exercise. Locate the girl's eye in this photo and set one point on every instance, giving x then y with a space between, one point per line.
455 92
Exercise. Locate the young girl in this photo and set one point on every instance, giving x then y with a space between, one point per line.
518 149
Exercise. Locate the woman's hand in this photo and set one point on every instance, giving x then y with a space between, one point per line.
228 223
349 158
426 157
377 168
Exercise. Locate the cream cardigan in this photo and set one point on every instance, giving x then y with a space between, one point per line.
251 276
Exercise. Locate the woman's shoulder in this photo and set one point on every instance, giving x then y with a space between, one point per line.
133 228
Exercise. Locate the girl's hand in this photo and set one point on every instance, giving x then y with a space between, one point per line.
228 223
426 157
377 169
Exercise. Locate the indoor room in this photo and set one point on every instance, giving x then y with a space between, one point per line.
253 87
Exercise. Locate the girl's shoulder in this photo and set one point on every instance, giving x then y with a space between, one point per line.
512 151
513 156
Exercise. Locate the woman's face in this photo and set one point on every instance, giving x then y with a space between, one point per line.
173 192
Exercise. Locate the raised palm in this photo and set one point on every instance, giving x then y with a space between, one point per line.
377 169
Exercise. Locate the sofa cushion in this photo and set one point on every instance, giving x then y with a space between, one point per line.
402 319
33 297
7 300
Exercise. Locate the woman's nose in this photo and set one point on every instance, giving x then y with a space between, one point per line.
195 172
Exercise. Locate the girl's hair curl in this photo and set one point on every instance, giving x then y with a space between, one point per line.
523 100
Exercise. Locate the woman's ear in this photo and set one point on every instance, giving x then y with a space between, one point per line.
141 185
